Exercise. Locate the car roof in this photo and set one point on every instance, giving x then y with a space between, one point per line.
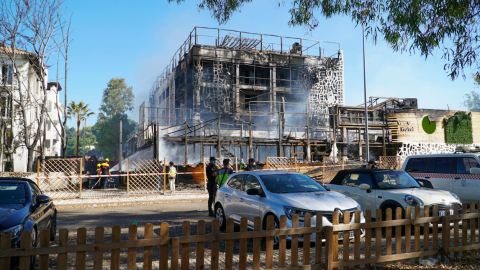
16 179
444 155
268 172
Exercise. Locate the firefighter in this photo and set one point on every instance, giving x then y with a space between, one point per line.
223 173
211 171
105 171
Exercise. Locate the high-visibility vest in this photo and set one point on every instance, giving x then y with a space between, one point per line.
222 176
172 172
243 166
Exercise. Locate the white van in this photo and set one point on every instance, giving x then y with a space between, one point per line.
458 173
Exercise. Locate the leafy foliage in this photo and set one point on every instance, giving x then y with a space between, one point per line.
107 133
90 140
458 128
472 101
78 111
117 98
407 25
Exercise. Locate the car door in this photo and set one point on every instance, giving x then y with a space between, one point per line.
350 187
465 185
441 174
249 206
38 209
232 197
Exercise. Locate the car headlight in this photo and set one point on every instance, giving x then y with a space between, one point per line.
15 231
412 200
455 196
290 211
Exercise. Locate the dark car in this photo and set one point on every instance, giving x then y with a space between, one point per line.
23 207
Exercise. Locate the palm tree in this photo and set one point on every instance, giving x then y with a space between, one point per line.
79 111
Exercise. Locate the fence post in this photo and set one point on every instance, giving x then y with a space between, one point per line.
323 171
5 243
380 162
165 170
236 165
343 163
445 232
329 248
38 172
128 176
80 177
267 164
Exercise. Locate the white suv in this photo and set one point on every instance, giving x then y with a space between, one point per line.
382 189
457 173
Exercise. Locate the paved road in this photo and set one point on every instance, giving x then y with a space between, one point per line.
174 213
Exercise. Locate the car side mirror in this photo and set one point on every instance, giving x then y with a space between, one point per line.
475 171
253 192
42 199
365 187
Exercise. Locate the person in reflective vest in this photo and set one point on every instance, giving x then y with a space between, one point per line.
242 165
105 169
223 173
172 173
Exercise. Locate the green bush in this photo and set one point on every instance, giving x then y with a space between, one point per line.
458 128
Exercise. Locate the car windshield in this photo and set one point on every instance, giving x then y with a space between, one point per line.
290 183
395 180
12 193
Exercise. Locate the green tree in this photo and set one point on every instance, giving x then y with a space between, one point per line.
117 100
90 140
79 111
407 25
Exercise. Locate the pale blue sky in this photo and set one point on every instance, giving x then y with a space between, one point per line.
135 40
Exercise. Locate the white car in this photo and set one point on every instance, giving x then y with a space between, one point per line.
261 194
457 173
382 189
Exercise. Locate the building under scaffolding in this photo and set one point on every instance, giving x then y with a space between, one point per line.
272 94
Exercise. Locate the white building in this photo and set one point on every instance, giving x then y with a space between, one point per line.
14 153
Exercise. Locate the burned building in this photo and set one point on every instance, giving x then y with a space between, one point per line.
222 70
248 80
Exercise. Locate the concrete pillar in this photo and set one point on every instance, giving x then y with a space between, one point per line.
273 86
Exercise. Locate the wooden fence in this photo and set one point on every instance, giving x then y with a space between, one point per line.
384 242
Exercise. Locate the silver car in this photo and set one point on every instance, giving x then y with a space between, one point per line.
252 194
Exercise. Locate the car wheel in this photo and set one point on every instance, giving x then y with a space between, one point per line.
53 228
276 226
220 215
34 239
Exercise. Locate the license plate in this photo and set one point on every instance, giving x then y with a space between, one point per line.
340 235
442 213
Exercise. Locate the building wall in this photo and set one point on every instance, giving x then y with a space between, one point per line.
415 141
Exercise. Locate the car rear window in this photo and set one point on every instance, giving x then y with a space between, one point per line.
417 165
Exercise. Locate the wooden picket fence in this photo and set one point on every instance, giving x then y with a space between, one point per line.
384 243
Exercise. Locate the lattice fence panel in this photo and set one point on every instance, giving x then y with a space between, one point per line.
146 184
390 163
281 163
60 187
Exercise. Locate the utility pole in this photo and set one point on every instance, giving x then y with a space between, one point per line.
120 149
367 152
83 148
186 143
250 143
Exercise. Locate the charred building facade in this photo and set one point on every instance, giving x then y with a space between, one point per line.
248 81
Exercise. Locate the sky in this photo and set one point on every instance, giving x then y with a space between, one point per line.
135 40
